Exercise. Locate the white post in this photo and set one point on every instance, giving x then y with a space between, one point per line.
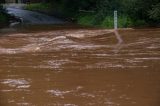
120 40
115 20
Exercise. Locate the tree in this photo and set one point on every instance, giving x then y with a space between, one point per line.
142 9
155 12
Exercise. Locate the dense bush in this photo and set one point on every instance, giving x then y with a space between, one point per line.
154 13
4 17
145 11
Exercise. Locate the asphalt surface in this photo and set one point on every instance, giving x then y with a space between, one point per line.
30 17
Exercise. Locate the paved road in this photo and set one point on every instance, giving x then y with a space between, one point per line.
30 17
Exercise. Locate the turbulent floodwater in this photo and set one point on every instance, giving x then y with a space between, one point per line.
80 68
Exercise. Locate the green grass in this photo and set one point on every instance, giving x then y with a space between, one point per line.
46 8
39 7
108 22
86 20
123 22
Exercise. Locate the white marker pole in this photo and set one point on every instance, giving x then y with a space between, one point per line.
116 28
115 20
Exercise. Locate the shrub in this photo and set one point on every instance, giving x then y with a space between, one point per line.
86 20
39 6
4 17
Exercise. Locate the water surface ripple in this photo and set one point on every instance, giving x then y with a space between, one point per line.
80 68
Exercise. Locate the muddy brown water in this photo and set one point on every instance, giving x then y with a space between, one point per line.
80 67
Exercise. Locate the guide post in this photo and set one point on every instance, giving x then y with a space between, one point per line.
116 28
115 20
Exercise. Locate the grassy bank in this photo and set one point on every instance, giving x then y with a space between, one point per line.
40 7
107 22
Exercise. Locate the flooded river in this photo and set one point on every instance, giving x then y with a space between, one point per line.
80 67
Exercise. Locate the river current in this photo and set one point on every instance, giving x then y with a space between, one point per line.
80 67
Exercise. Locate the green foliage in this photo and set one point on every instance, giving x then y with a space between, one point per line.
131 12
155 12
39 6
144 10
4 18
108 22
123 22
86 20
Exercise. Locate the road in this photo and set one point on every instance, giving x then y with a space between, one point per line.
30 17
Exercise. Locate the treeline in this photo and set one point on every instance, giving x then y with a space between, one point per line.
100 12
